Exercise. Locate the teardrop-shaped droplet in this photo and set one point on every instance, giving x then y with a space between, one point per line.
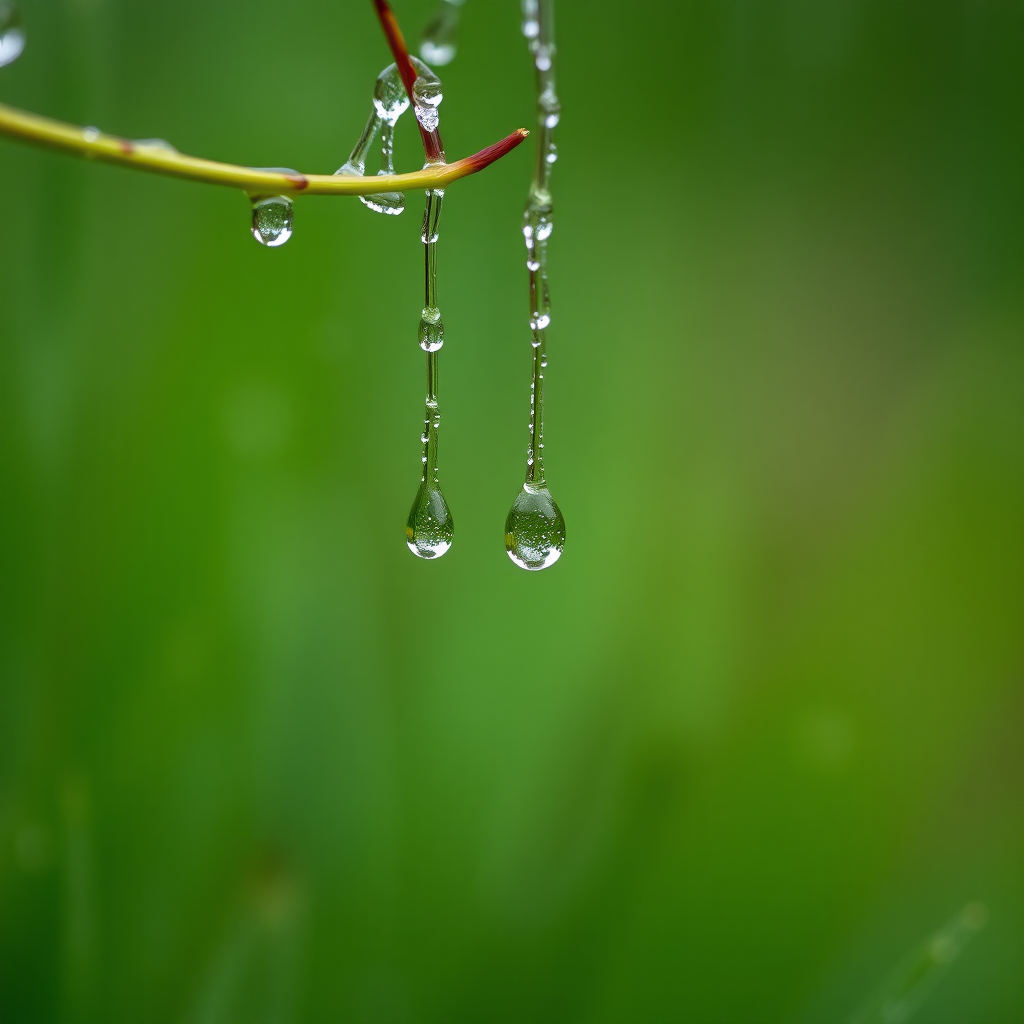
272 220
534 529
12 38
430 528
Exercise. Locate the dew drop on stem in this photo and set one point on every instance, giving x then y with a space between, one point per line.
273 216
534 529
272 220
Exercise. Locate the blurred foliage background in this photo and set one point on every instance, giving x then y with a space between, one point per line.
753 739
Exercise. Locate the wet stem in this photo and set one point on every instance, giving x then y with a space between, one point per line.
94 144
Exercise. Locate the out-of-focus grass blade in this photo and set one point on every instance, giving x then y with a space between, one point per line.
900 995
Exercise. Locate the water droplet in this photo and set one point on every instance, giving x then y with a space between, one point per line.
389 96
430 528
12 38
534 529
543 57
427 94
91 134
162 145
438 44
272 219
431 332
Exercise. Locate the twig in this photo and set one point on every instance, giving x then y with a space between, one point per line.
433 148
90 143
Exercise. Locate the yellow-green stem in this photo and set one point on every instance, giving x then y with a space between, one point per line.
93 144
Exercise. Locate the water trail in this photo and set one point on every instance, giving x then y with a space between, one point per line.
430 528
389 103
12 38
535 529
438 43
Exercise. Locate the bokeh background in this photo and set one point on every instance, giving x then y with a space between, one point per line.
756 736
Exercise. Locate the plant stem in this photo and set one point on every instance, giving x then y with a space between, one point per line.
433 148
92 144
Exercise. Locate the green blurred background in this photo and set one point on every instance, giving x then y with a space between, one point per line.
753 739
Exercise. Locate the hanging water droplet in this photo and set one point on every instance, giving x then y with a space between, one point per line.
392 203
534 529
272 219
438 44
427 95
430 528
12 38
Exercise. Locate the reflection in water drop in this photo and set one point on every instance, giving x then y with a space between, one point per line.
430 528
272 219
12 38
534 529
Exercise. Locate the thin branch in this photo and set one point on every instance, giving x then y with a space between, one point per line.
433 148
93 144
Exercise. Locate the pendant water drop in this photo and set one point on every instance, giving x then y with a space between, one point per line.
534 529
430 528
272 220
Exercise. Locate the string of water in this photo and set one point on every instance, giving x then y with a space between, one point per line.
430 527
535 528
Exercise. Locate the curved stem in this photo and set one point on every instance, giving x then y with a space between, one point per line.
90 143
